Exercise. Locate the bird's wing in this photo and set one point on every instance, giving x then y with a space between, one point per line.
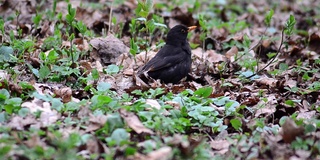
166 57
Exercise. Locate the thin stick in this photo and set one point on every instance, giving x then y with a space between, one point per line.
110 18
272 60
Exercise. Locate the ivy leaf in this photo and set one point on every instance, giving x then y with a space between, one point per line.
204 92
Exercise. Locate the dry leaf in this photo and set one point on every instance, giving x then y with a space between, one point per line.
64 93
222 146
134 123
163 153
153 103
290 130
231 52
270 82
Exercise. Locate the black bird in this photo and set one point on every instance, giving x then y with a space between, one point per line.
173 61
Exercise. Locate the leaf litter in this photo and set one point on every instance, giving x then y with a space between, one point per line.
283 95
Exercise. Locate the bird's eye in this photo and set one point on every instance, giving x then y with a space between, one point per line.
183 31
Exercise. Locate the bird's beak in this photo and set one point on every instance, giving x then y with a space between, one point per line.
191 28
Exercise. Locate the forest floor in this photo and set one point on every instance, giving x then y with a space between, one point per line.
69 88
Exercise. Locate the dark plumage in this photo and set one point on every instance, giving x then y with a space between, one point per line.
173 61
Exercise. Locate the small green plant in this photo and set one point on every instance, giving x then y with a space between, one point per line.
142 24
2 29
300 143
151 93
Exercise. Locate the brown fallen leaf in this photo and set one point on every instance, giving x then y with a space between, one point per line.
210 55
96 122
221 146
269 106
34 141
231 52
49 116
306 115
64 93
19 123
290 131
174 104
163 153
186 146
134 122
153 103
85 67
270 82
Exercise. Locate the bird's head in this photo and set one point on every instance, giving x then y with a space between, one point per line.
178 34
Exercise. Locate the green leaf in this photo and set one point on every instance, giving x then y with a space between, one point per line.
283 66
268 16
149 5
193 45
138 9
103 86
57 104
204 92
5 53
100 100
44 72
114 121
202 22
130 151
310 128
144 14
4 94
9 109
95 74
118 2
248 74
288 28
220 101
4 150
112 69
207 109
45 97
236 123
16 102
81 27
4 117
35 72
86 137
247 41
72 106
2 25
133 47
23 112
36 19
52 56
118 136
292 102
271 55
71 11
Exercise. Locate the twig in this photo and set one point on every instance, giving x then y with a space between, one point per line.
110 17
71 45
272 60
259 52
260 41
